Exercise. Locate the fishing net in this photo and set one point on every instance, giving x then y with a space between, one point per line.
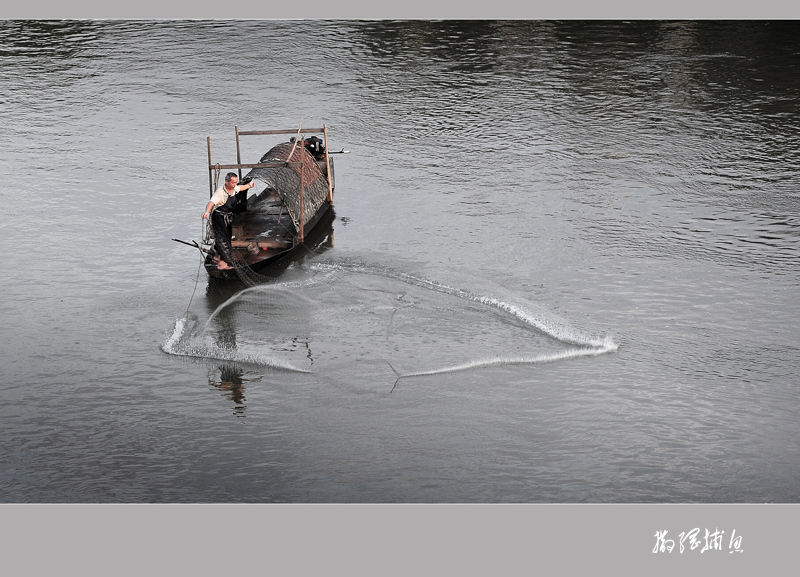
370 329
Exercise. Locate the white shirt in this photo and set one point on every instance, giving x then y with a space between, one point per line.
221 196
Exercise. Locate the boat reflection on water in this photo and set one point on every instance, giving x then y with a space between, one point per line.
230 377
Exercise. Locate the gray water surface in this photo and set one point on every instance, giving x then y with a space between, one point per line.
564 264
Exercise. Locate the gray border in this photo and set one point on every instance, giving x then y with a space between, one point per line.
408 9
390 539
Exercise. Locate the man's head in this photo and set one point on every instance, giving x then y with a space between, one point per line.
231 179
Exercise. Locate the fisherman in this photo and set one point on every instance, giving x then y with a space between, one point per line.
221 204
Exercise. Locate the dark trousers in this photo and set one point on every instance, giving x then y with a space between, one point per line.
221 224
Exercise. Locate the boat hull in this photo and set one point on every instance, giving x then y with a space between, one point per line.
273 256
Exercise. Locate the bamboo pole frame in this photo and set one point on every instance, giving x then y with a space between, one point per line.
238 151
291 131
210 176
302 195
276 164
300 165
328 164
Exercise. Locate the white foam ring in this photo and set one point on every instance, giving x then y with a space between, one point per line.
177 344
182 342
570 354
590 346
555 330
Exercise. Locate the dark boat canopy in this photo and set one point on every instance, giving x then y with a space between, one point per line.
302 186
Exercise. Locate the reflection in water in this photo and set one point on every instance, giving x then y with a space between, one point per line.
231 383
232 378
49 40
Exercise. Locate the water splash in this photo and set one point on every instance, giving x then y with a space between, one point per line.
552 328
196 343
497 361
181 342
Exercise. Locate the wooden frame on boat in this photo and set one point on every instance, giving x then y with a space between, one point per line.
252 232
239 166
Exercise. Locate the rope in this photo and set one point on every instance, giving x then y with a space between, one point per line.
296 140
196 282
197 278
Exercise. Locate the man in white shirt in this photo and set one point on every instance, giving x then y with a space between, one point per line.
222 203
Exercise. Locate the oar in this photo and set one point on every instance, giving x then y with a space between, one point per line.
193 244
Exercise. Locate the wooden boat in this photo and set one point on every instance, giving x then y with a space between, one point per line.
295 183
